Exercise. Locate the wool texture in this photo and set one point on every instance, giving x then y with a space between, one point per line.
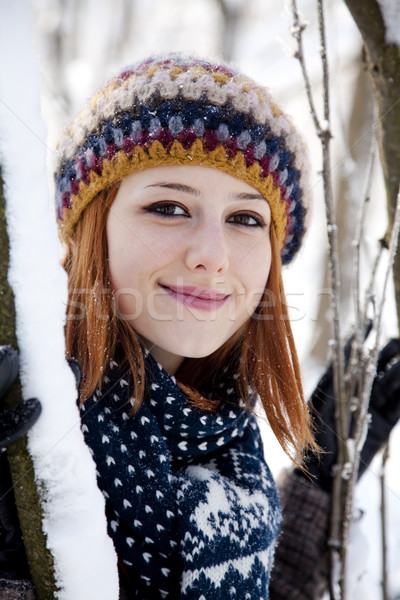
191 504
173 110
301 566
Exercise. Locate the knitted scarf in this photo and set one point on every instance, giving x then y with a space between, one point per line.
191 505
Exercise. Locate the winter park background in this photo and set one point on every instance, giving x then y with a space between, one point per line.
80 43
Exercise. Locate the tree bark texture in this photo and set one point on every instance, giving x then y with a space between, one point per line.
21 466
383 65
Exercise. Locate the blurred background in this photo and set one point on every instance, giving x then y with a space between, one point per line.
81 43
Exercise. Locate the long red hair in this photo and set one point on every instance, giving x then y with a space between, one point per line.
262 351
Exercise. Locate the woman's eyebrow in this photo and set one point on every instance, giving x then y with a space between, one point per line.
179 187
187 189
247 196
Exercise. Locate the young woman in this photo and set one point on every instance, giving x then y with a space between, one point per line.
181 190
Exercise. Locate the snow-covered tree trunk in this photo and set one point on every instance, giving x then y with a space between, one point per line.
54 475
27 498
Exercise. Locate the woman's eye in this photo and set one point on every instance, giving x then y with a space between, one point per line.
247 220
168 209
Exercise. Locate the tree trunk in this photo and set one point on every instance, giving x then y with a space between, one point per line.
383 65
21 467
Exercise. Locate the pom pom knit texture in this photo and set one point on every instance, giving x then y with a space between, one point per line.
176 111
191 505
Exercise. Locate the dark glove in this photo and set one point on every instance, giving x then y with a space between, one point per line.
384 409
13 563
384 403
15 421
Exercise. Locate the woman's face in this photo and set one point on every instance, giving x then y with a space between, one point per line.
189 257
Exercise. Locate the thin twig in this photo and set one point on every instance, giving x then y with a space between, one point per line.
337 526
324 59
369 294
360 316
385 456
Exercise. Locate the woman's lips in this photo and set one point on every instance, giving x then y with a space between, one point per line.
196 297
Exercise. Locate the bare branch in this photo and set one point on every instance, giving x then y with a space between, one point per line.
360 315
324 59
385 456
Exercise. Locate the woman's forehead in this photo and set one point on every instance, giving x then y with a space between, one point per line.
191 179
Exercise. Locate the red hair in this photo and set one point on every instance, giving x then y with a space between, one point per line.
262 351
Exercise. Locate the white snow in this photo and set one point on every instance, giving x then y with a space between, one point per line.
390 10
74 518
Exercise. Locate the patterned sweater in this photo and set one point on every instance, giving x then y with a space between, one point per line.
191 505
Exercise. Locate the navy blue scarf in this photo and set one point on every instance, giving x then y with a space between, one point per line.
191 505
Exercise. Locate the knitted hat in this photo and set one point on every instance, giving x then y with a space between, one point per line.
175 110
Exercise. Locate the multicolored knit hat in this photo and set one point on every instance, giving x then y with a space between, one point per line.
175 110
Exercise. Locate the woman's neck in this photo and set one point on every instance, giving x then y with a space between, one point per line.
170 362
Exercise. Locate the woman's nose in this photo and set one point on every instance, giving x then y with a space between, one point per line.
208 249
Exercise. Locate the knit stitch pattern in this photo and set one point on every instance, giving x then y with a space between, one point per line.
192 507
301 560
175 111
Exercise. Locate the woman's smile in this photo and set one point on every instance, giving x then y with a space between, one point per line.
196 297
